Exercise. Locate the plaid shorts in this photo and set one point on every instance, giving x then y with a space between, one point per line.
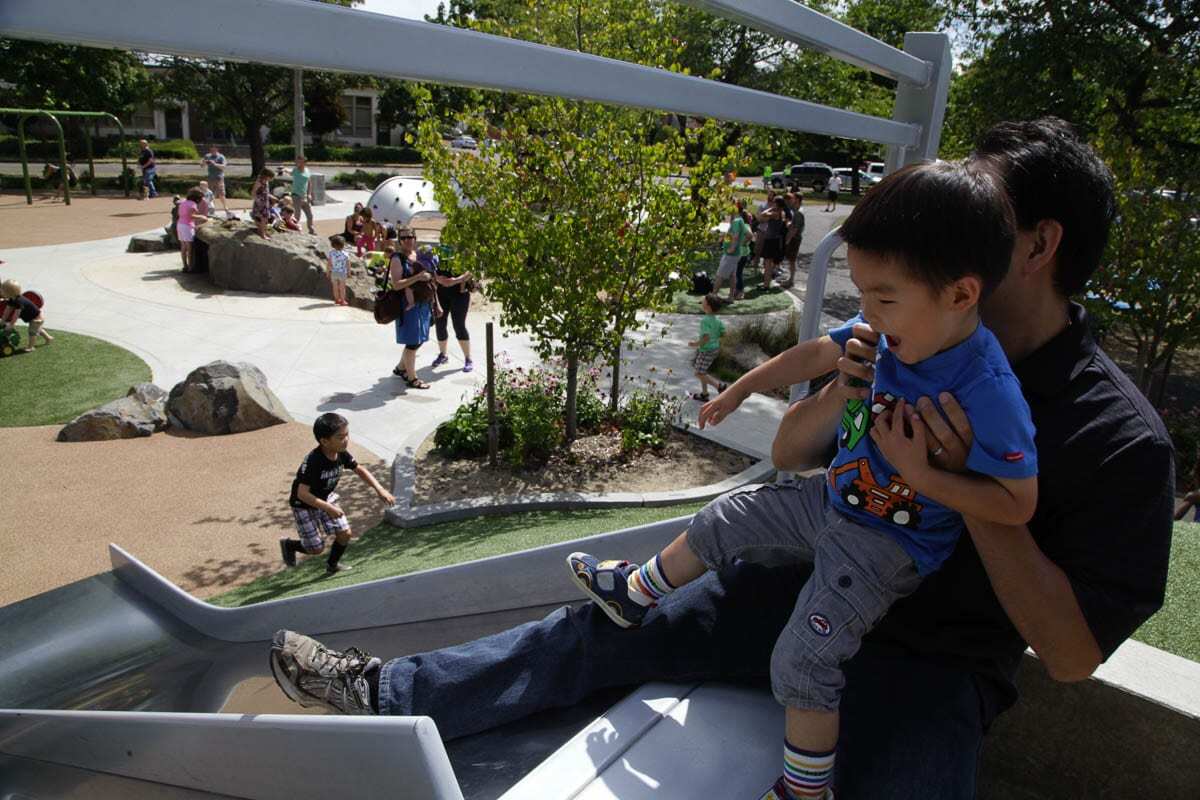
312 522
704 360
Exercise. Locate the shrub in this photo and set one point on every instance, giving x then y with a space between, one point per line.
646 417
591 410
182 149
465 434
371 179
532 405
376 154
1184 427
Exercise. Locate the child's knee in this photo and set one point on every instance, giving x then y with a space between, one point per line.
343 537
804 678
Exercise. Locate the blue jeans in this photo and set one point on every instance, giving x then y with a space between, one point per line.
911 728
148 176
740 286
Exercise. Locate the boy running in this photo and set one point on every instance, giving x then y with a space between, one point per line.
314 501
924 247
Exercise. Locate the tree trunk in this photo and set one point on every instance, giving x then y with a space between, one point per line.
572 390
614 395
1160 380
258 153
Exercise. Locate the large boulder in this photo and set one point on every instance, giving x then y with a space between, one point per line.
140 413
289 262
223 398
148 243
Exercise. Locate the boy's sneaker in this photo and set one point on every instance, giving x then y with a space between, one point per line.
334 569
779 792
468 365
311 674
441 359
289 555
606 583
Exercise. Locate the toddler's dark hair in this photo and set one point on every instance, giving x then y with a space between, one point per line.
942 220
337 241
195 195
267 173
714 302
327 425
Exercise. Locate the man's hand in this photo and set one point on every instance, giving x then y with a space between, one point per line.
907 452
712 412
387 497
948 432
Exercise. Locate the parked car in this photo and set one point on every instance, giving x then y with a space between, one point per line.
464 143
813 175
875 169
864 178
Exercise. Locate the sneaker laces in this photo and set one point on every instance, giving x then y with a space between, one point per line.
332 663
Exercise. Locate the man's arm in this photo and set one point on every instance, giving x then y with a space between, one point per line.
1038 597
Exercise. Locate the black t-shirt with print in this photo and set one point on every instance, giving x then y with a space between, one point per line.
320 475
29 310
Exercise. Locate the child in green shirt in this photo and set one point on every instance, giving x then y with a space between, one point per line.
708 345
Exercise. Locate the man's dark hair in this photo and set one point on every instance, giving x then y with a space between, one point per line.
942 220
1050 173
328 424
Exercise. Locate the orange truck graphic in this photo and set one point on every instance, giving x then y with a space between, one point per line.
896 501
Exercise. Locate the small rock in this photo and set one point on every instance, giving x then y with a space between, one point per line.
140 413
148 243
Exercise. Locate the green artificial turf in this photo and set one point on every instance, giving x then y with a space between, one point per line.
384 550
59 381
1176 627
756 301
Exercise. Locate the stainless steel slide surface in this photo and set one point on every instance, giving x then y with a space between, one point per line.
82 666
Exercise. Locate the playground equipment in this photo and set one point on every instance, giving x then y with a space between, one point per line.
10 340
124 643
53 115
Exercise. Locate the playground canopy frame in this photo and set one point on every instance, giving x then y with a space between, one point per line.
25 113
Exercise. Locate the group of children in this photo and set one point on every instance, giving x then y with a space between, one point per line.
886 513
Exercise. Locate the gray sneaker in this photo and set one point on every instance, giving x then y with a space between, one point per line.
311 674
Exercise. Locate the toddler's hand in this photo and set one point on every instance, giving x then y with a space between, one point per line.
712 412
907 452
388 498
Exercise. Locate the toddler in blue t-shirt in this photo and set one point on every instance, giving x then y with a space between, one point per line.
924 247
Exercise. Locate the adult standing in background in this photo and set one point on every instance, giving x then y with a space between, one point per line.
831 192
454 297
147 163
302 192
215 162
412 329
795 233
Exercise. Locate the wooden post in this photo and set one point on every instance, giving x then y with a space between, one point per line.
493 432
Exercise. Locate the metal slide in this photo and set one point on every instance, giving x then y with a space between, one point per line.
83 667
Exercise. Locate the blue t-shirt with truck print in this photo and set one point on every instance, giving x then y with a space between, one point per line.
866 488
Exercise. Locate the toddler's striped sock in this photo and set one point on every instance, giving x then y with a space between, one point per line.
649 583
807 774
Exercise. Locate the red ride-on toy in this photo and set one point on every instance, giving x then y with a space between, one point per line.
10 340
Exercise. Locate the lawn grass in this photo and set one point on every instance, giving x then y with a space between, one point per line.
384 550
1176 628
59 381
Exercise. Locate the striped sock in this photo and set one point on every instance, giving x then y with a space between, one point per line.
807 774
649 583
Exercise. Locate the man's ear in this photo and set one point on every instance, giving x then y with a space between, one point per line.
964 292
1039 247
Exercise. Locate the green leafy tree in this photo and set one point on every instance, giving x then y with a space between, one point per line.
572 214
323 109
60 76
1147 294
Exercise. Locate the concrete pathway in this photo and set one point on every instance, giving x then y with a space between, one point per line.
317 357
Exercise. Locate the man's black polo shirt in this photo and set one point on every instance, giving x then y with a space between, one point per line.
1105 500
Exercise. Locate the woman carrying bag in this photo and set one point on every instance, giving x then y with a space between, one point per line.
412 327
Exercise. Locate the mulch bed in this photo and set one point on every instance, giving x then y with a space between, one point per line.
590 464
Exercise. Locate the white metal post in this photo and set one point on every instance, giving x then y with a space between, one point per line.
924 105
